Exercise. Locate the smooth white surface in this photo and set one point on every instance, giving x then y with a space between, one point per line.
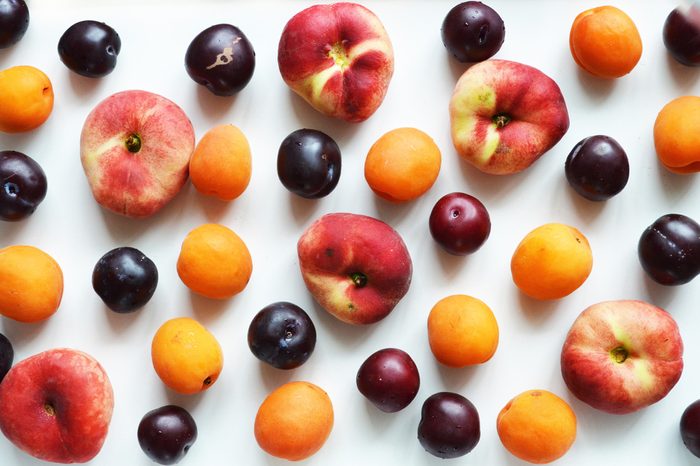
76 231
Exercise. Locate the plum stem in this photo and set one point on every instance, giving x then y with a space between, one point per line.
501 120
133 143
619 354
359 279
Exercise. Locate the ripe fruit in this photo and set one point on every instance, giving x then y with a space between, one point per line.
682 34
221 58
597 168
214 262
605 42
473 32
389 379
14 21
462 331
294 421
90 48
22 185
402 165
669 249
186 357
449 425
7 355
690 428
27 99
308 163
57 406
166 434
221 163
551 262
676 139
459 223
537 426
282 335
32 284
125 279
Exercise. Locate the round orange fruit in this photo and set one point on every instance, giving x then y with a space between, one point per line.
676 135
26 99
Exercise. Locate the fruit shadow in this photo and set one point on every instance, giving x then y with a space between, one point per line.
392 212
189 402
82 85
536 311
588 211
6 54
674 185
207 310
660 295
598 89
214 209
272 377
20 333
378 419
490 187
310 118
450 264
302 209
457 69
119 322
685 77
455 379
214 107
10 231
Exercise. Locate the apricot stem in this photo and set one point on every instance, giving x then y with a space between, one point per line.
359 279
207 382
619 354
133 143
500 120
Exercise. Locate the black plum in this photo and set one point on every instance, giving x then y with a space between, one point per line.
597 168
459 223
308 163
690 428
22 185
90 48
449 425
682 34
166 434
283 335
221 58
125 279
14 21
389 379
7 355
669 249
473 32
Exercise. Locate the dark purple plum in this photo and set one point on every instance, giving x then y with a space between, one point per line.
389 379
90 48
125 279
473 32
283 335
22 185
7 356
459 223
682 34
14 21
669 249
308 163
166 434
690 428
449 425
597 168
221 58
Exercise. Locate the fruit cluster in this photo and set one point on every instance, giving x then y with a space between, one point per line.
138 150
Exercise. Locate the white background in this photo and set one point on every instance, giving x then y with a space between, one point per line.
76 231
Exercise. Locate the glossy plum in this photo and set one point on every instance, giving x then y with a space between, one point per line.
308 163
22 185
14 21
690 428
7 356
166 434
90 48
473 32
597 168
669 249
682 34
283 335
221 58
449 425
459 223
389 379
125 279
